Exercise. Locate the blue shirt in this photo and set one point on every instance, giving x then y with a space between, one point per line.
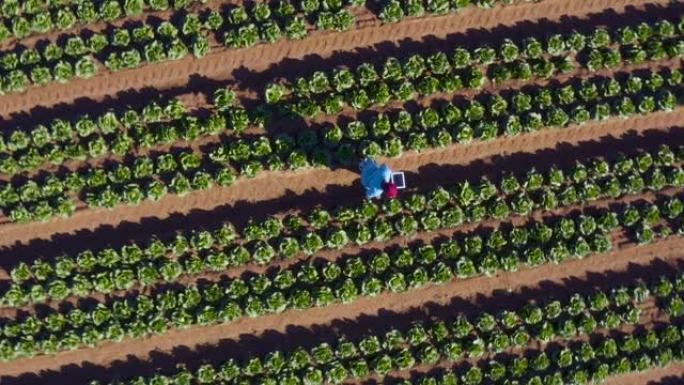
373 176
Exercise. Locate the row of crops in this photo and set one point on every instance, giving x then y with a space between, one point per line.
307 285
249 23
475 337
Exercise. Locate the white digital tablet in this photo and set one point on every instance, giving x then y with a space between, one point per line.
399 180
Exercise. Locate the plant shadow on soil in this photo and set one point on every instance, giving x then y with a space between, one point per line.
240 212
352 328
668 380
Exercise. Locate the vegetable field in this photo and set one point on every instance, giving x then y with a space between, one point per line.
180 199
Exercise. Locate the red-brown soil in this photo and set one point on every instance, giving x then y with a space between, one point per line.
667 375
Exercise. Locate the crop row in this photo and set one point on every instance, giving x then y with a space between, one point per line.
145 177
36 147
308 285
453 339
392 11
502 115
20 19
274 238
115 134
579 363
367 85
129 47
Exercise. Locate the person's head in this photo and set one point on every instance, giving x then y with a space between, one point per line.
390 189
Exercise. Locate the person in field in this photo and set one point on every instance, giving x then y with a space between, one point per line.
377 179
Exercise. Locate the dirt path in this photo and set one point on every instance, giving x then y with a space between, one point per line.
621 258
287 185
221 64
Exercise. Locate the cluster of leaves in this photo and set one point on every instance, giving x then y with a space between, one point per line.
117 133
367 85
19 19
424 343
262 241
146 178
314 284
393 11
122 47
578 363
668 295
19 71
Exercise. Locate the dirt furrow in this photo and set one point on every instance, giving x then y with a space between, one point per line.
221 64
271 185
621 258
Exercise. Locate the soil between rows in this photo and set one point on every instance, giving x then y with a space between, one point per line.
623 257
669 375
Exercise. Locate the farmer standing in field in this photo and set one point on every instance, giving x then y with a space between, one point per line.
377 179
